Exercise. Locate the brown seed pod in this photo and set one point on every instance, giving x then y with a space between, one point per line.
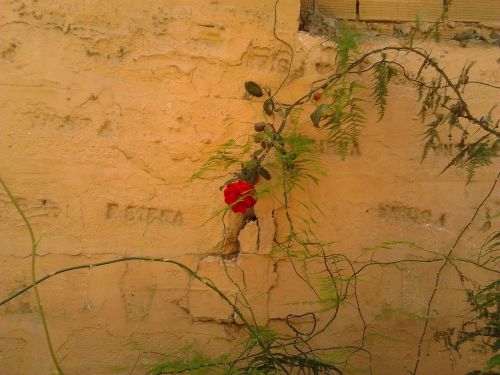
253 89
269 107
260 126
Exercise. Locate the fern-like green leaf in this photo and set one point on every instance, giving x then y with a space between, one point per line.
347 42
431 135
380 86
475 155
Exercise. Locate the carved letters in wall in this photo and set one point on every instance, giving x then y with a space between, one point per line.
32 207
135 213
399 211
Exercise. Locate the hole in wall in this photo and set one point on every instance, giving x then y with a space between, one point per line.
314 21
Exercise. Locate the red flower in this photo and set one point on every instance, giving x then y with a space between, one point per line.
239 195
317 96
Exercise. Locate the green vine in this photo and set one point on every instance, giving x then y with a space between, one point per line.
34 245
280 152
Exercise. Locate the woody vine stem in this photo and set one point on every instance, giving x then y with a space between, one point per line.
279 151
342 118
446 259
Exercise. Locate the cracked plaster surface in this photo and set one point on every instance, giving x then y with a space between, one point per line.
110 107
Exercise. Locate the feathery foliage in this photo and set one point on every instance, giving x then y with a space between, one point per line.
485 324
382 73
477 154
346 40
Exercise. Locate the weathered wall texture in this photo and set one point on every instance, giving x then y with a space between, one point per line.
108 108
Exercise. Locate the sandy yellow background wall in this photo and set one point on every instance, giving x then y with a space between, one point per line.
107 108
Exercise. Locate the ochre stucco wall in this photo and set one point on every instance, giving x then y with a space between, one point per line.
109 107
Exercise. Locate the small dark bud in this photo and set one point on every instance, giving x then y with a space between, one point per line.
260 126
269 107
253 89
264 173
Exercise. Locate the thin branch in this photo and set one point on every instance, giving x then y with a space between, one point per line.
439 273
34 244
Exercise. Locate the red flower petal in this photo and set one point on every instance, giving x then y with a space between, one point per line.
239 195
239 207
